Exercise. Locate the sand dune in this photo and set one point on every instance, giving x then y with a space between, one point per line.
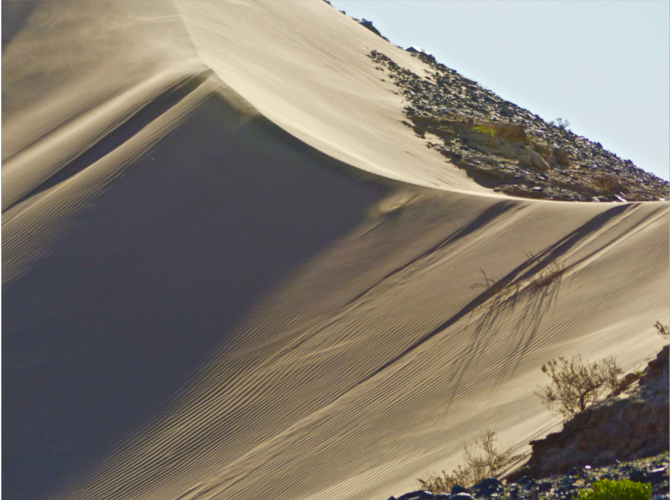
229 271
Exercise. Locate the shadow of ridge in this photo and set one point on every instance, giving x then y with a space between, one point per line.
481 221
544 298
539 298
104 329
14 16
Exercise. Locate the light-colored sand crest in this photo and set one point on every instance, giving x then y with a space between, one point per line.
234 318
305 66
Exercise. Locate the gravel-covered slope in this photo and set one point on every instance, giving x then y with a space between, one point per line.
507 148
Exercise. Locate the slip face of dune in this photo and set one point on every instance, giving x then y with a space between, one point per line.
229 271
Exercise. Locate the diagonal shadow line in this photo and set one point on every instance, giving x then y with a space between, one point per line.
14 17
542 298
480 221
119 135
521 272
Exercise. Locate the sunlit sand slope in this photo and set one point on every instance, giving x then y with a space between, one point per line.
229 271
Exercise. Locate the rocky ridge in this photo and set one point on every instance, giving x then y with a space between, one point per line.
507 148
630 424
623 437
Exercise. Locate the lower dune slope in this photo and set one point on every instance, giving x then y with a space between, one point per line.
359 373
216 308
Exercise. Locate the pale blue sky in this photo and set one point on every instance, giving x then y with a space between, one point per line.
603 65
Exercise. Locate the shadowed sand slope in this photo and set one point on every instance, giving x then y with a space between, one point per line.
230 272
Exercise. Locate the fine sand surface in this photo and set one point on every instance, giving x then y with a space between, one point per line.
229 271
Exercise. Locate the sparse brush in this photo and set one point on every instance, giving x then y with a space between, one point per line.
662 330
561 123
482 460
550 273
486 282
576 384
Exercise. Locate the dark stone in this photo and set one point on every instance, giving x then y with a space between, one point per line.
487 483
544 486
459 489
368 25
530 484
638 476
417 495
524 479
657 475
574 472
486 492
460 496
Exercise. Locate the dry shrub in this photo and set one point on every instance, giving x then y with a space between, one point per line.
662 330
576 384
489 284
548 275
482 460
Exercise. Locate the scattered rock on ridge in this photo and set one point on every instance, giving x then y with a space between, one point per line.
507 148
368 24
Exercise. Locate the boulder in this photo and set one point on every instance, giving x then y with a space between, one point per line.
509 152
487 483
561 157
457 488
511 132
537 161
542 150
524 159
368 24
417 495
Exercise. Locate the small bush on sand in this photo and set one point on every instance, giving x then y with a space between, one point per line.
576 384
548 275
662 330
607 489
482 460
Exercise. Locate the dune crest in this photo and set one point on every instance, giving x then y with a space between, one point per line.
230 271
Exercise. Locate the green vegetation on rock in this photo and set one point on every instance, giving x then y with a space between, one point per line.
606 489
484 130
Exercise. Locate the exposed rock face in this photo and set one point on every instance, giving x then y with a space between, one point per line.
630 425
368 24
509 149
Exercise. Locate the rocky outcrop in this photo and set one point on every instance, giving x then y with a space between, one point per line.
626 426
507 148
623 437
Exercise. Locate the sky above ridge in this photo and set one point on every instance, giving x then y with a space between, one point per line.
602 65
